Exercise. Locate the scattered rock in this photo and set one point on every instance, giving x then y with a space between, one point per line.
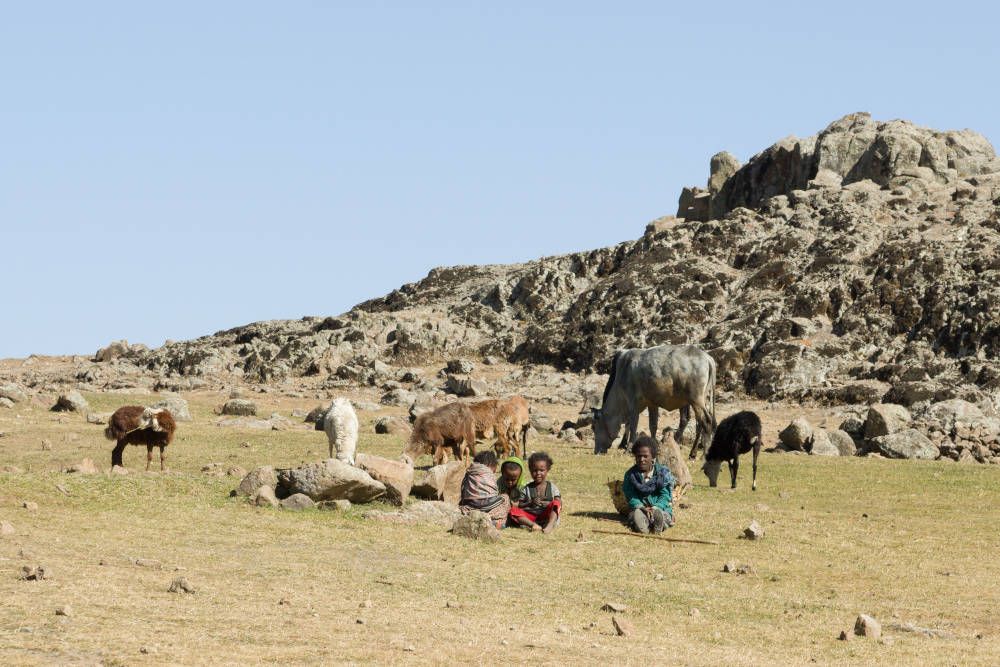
754 531
866 626
465 386
256 478
297 502
264 497
236 471
821 445
843 442
623 627
118 470
796 435
34 573
180 585
392 426
341 505
6 403
460 366
6 529
64 610
239 407
906 444
12 393
329 480
885 419
732 568
72 401
844 636
46 445
397 476
177 406
616 607
476 526
30 506
441 482
84 467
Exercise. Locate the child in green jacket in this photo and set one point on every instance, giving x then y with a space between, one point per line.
649 489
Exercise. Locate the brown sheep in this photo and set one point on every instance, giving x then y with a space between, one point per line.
507 420
516 418
136 425
450 425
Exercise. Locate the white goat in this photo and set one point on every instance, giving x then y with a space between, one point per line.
341 426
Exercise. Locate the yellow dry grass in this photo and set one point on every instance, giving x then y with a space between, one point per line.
328 588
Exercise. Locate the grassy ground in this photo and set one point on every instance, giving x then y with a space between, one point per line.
904 541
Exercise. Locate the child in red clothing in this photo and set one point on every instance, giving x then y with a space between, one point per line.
540 503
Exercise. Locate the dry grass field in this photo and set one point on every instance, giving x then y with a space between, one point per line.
907 542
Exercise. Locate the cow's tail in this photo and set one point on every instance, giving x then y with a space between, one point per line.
711 409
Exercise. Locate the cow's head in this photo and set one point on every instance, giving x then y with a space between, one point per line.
711 470
606 427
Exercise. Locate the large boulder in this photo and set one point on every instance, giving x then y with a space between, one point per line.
255 479
329 480
398 397
239 407
954 410
462 385
796 435
441 482
476 526
396 475
671 456
177 406
72 401
905 444
115 349
12 393
885 419
843 442
392 426
821 445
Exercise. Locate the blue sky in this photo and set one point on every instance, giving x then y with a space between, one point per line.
171 170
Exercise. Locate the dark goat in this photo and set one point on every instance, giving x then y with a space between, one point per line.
136 425
736 434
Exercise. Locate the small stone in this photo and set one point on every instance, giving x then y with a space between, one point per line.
6 529
563 629
866 626
297 502
657 577
729 567
844 636
147 650
622 627
341 505
148 562
46 445
409 648
694 613
360 621
616 607
754 531
453 605
119 470
631 563
62 489
245 444
64 610
84 467
33 573
367 604
30 506
180 585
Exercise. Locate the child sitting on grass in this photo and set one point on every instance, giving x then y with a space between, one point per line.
513 478
539 504
479 489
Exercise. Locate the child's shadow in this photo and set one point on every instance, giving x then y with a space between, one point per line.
600 516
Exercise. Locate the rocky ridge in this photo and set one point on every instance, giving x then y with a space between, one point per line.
858 265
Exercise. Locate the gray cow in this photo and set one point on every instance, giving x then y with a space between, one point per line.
671 377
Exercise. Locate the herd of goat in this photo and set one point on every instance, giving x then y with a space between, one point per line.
672 377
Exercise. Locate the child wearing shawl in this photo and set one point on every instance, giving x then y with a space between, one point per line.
479 489
649 489
513 478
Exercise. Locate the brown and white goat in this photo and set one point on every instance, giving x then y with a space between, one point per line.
506 420
136 425
450 426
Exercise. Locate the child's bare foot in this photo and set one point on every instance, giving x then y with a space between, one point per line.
549 528
535 528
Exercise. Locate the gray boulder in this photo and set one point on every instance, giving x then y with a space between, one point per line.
392 426
441 482
885 419
796 435
954 410
398 397
329 480
297 502
821 444
843 442
177 406
72 401
476 526
255 479
239 407
466 386
12 393
460 366
906 444
115 349
396 475
264 497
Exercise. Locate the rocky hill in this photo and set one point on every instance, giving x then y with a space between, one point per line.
859 264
